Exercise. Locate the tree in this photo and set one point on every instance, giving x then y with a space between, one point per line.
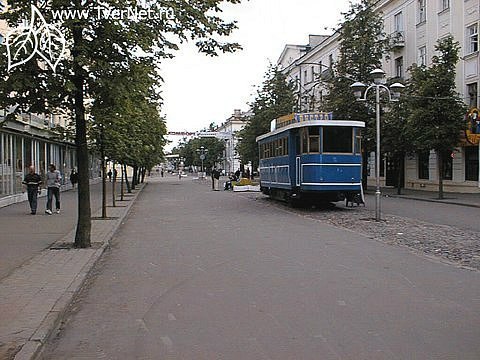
94 45
397 137
275 98
363 43
188 151
436 111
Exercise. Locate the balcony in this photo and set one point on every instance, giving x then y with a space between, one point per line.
397 40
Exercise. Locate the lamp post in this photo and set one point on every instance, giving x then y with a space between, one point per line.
202 154
393 93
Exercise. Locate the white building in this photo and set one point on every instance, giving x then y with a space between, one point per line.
417 25
230 128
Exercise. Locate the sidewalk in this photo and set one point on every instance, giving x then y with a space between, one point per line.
471 200
34 296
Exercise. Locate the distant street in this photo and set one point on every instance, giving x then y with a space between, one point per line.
196 274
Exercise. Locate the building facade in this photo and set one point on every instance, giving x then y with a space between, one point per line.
229 132
415 27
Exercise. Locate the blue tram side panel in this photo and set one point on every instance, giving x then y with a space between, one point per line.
309 157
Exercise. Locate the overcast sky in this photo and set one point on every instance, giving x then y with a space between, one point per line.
199 90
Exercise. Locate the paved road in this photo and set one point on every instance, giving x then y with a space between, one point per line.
23 235
196 274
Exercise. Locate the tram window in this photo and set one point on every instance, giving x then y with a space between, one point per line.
304 141
314 139
285 147
337 139
272 149
358 141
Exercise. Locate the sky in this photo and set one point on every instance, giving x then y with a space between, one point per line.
199 89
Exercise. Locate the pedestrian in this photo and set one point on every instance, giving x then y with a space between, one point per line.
237 174
216 178
33 183
161 172
247 174
54 179
74 177
212 175
109 174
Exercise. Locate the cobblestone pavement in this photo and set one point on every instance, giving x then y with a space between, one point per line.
446 242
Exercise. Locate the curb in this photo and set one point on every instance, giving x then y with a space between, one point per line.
34 345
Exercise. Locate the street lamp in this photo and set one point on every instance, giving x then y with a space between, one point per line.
202 154
393 92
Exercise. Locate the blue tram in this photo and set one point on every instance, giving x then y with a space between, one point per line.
309 157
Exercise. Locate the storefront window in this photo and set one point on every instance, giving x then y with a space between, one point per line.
448 168
471 163
423 162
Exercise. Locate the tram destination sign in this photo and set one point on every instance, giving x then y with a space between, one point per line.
300 117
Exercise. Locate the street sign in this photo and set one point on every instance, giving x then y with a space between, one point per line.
202 157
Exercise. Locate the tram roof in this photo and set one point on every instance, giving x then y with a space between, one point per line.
347 123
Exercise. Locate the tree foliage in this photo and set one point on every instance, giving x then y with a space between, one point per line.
435 109
99 49
274 98
188 151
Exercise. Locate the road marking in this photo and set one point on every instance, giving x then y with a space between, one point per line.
341 303
142 325
171 317
167 342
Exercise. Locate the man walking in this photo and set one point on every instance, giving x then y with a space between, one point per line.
32 181
53 188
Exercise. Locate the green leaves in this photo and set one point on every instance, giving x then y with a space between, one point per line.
274 99
435 109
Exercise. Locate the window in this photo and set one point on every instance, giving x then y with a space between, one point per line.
398 22
304 141
358 141
399 67
472 92
472 38
312 69
444 5
471 163
422 11
447 168
337 139
1 38
423 163
422 56
330 61
314 139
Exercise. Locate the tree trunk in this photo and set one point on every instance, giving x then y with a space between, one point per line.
104 185
134 177
122 190
84 225
440 174
400 173
114 181
144 171
129 189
